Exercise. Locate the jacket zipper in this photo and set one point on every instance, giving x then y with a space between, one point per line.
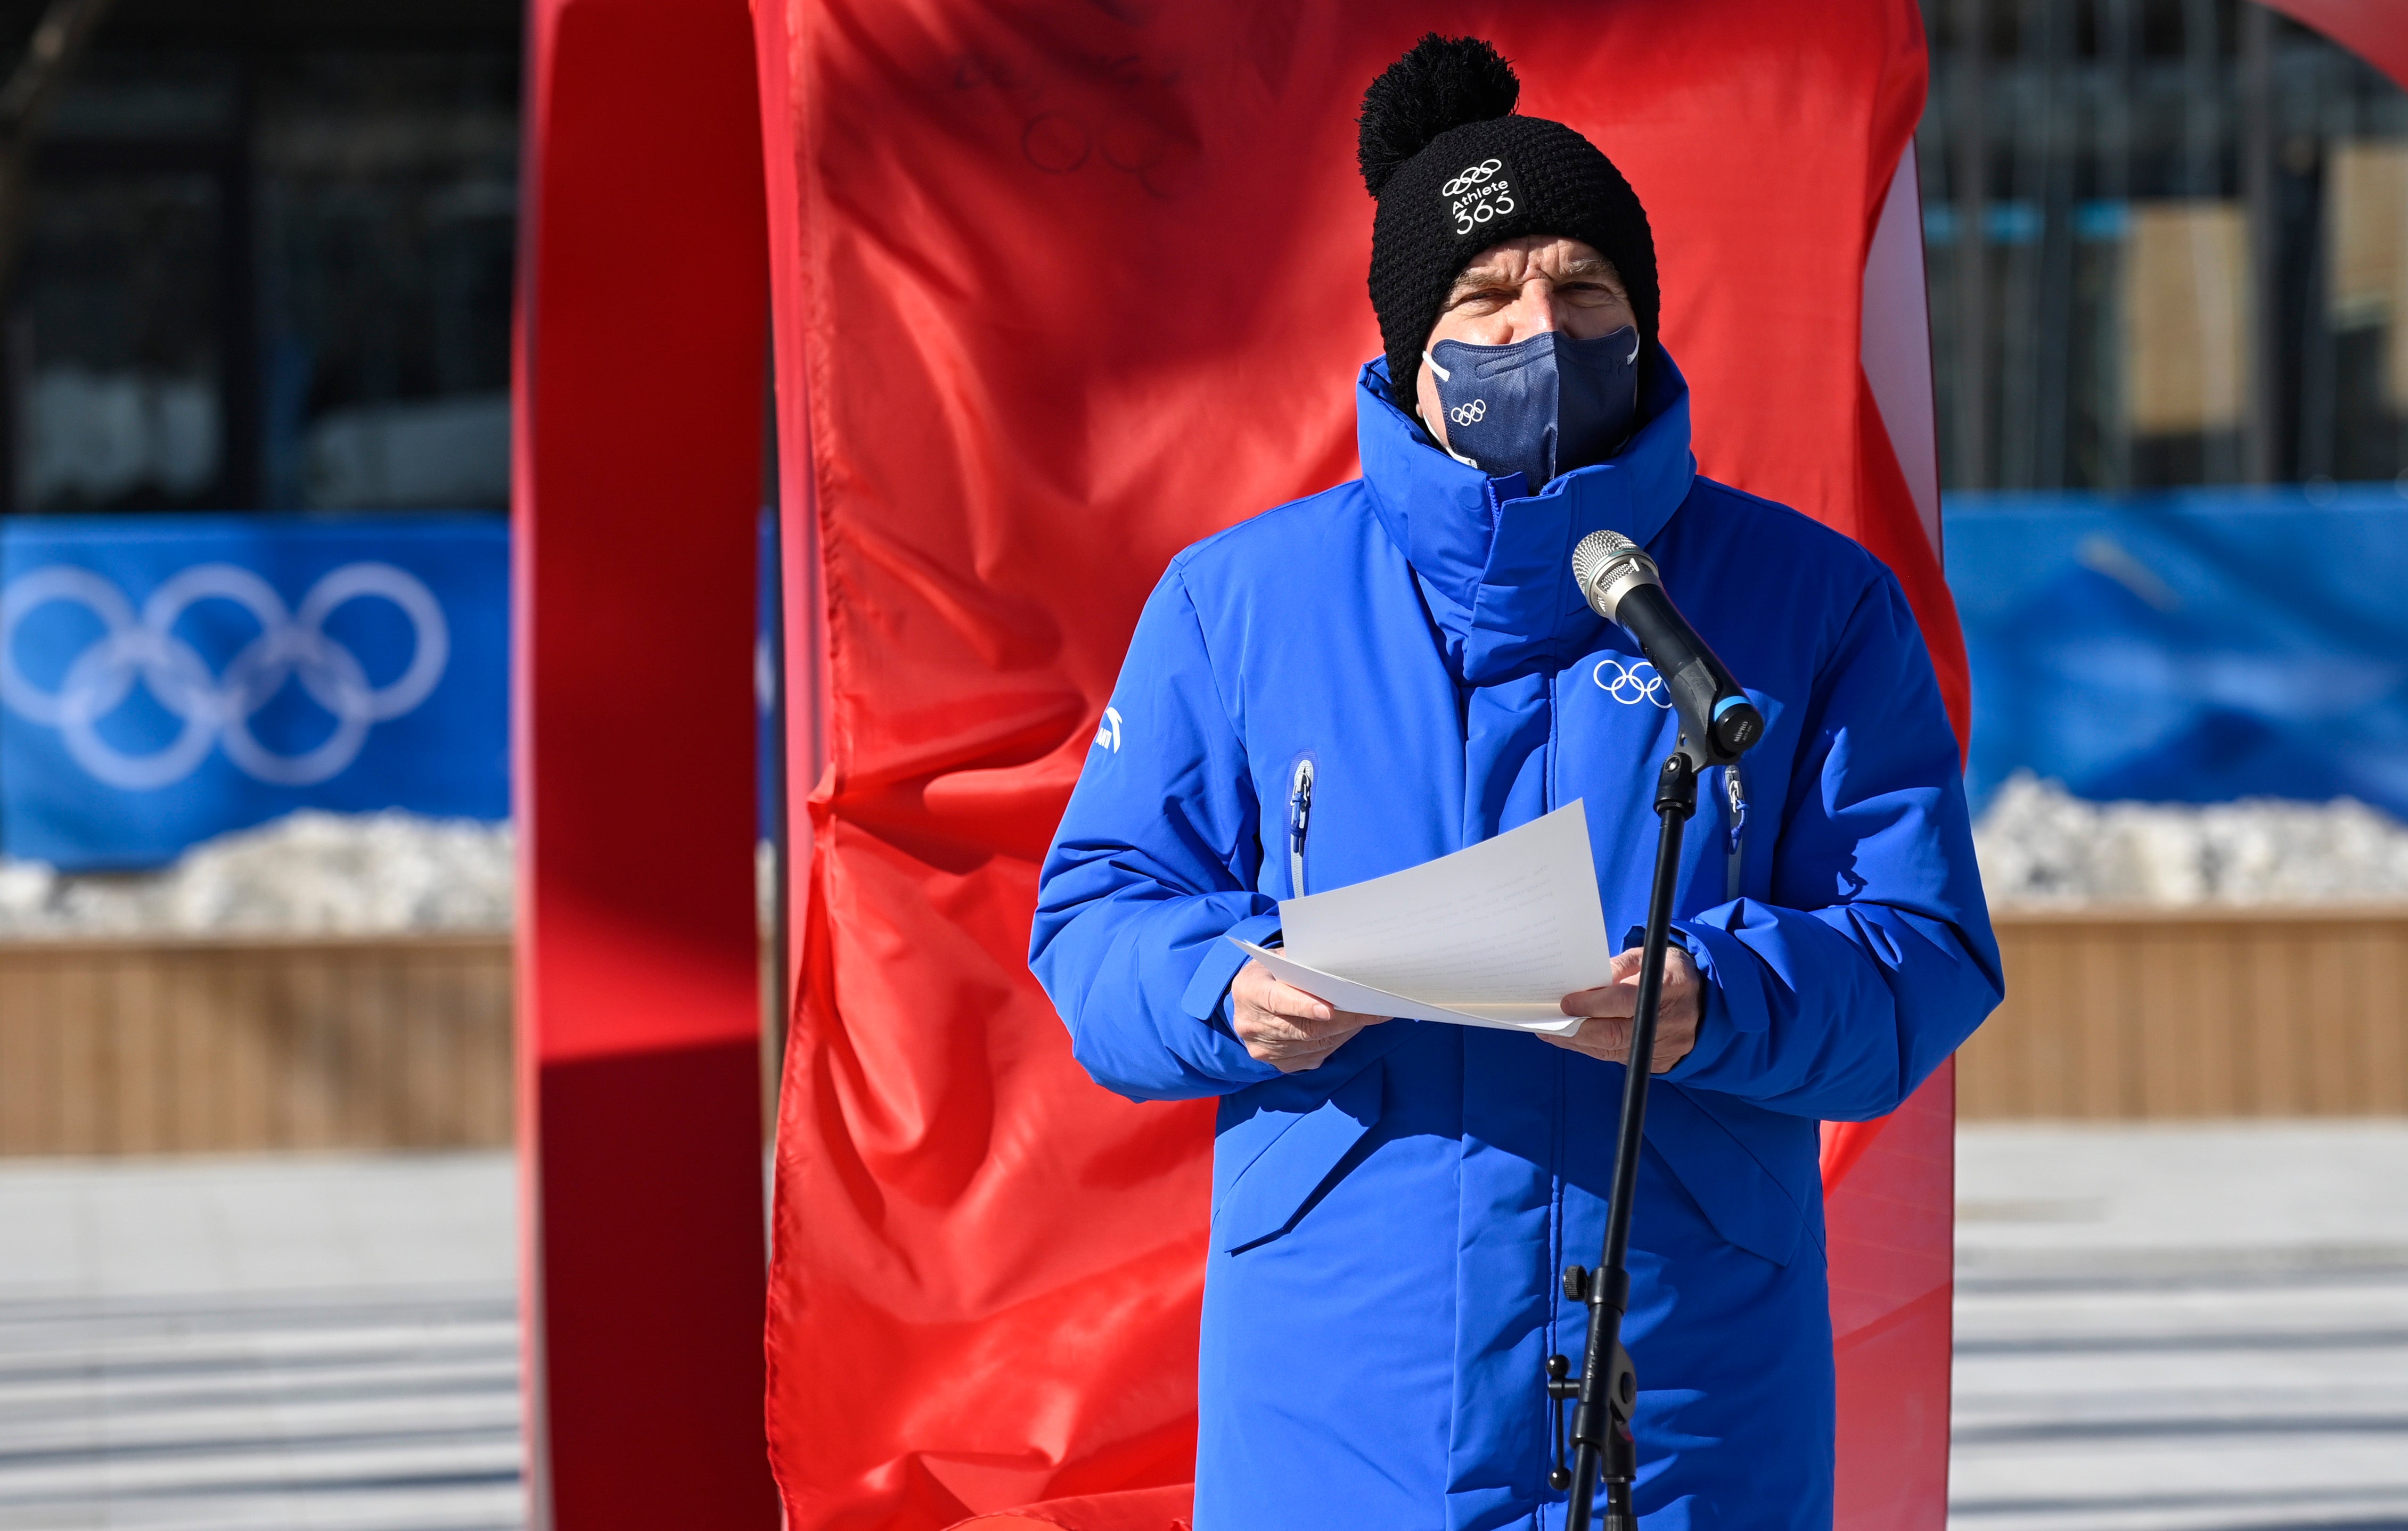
1299 824
1734 799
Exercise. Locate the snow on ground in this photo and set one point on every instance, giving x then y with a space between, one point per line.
307 874
392 873
2039 846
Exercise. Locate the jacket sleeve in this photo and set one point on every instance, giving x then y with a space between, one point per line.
1874 958
1154 864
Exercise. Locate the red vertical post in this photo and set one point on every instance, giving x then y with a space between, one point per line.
642 302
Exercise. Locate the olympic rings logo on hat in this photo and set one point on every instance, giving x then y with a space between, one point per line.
218 709
1632 683
1468 414
1473 176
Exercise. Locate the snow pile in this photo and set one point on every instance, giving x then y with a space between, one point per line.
309 874
2039 846
393 873
765 887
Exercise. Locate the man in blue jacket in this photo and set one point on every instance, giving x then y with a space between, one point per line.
1401 667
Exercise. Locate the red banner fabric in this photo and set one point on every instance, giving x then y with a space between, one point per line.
1059 288
2377 30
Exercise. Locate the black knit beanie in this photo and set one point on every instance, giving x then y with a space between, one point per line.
1455 172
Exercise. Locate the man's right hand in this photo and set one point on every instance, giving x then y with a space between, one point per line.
1285 1027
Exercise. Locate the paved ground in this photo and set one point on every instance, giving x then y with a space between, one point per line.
259 1345
2158 1330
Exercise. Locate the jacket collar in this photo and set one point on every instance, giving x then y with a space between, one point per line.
1495 563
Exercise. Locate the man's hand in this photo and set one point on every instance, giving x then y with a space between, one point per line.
1285 1027
1607 1035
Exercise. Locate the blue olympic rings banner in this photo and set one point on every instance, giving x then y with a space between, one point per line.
2188 646
165 679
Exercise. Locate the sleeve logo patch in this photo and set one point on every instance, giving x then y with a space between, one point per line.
1108 732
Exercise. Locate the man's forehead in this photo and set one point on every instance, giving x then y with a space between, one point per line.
1516 258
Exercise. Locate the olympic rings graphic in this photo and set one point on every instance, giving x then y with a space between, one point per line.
1471 177
1632 684
218 709
1468 414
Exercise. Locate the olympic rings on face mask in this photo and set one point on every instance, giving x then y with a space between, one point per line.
1468 414
1632 683
218 709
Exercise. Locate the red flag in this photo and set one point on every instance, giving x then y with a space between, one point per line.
2377 29
1062 286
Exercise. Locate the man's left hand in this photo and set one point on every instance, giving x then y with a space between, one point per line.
1609 1010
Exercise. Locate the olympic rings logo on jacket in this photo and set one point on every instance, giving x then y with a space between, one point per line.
1632 684
217 710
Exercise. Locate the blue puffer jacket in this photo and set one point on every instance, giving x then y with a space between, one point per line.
1388 1229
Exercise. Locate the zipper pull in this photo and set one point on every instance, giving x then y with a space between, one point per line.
1735 796
1299 824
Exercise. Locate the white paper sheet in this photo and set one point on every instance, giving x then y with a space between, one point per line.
1492 936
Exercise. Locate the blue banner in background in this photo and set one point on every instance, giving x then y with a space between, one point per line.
2187 646
165 679
767 661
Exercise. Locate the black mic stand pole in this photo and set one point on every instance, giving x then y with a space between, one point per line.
1607 1391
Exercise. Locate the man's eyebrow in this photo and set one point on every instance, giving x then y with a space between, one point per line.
1593 266
1481 277
1587 268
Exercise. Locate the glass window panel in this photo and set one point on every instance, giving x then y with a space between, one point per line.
2168 244
114 355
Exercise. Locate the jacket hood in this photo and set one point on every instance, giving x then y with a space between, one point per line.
1497 571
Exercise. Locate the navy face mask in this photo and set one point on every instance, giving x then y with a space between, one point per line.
1543 407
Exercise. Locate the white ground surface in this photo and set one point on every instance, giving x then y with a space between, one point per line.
2182 1328
2166 1329
299 1344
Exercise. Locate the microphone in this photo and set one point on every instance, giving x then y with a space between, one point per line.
1621 585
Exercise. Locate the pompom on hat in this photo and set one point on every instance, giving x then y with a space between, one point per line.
1454 171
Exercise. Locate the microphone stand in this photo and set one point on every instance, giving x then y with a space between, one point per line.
1718 724
1606 1394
